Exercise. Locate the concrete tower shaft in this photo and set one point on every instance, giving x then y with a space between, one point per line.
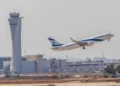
15 27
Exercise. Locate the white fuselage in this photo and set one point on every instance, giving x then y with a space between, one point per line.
90 41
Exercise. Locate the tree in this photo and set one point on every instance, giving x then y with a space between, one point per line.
118 68
110 69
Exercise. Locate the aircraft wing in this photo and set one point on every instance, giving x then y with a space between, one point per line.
78 42
83 43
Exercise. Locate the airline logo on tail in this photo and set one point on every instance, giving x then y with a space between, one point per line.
54 42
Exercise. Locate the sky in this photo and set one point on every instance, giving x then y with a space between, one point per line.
62 19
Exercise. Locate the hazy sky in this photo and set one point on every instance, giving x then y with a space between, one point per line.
62 19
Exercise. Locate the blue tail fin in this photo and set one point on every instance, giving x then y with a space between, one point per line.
54 42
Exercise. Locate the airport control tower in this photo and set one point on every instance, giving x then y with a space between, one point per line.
15 27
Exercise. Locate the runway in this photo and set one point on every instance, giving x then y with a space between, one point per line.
68 84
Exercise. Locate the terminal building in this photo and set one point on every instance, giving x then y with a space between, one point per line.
38 64
47 65
35 64
86 66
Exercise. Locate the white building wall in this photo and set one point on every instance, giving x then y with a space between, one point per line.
28 67
46 66
39 66
63 65
6 67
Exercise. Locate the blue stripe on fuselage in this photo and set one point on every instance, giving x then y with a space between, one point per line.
56 45
94 39
50 39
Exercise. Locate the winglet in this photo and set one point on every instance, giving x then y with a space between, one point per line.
73 40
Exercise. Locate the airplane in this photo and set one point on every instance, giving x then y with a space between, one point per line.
56 46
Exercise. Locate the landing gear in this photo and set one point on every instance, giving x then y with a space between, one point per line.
108 40
83 47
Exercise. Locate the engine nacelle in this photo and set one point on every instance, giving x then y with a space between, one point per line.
90 43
